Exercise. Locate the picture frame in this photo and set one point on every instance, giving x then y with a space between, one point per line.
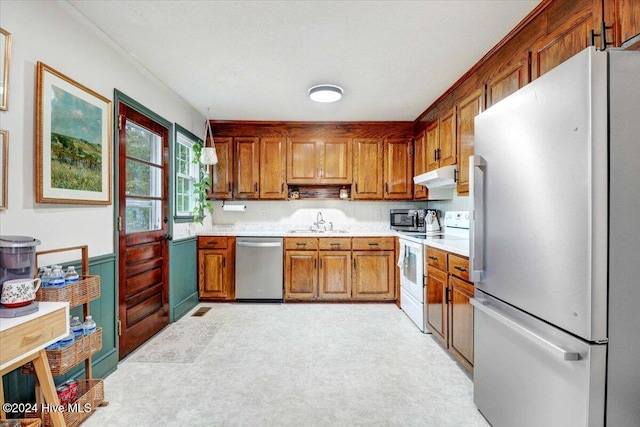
5 59
4 164
73 141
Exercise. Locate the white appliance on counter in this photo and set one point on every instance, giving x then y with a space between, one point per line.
557 323
411 261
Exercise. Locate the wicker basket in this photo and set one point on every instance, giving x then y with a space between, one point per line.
91 395
62 360
26 422
83 291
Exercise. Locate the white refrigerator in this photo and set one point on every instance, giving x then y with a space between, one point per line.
555 248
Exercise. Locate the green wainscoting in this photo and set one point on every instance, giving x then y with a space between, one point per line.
20 388
183 277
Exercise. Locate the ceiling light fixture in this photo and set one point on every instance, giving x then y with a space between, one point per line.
325 93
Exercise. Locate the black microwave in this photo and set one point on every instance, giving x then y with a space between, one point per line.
409 220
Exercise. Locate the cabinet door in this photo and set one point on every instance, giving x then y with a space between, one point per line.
300 275
335 275
468 109
508 80
221 174
398 169
335 161
433 143
373 275
213 274
367 169
447 139
302 161
461 321
420 153
247 164
561 44
629 18
437 304
273 168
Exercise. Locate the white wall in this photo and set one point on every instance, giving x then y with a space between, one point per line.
52 32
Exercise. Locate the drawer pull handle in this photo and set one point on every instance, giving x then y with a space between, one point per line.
373 244
460 268
33 337
334 244
301 244
435 258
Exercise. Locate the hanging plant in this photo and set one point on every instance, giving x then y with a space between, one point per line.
202 187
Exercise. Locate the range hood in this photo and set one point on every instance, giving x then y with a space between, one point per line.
441 182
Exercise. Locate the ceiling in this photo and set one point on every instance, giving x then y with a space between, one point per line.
255 60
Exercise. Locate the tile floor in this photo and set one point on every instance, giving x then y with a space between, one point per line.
297 365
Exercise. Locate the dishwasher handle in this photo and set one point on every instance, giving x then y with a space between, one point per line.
260 244
484 306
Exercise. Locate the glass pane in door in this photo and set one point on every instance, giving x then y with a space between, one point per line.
143 144
143 179
143 215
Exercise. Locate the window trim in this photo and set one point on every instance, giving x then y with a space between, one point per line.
178 216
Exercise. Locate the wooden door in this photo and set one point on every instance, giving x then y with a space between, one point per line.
143 217
334 275
398 169
247 168
432 146
300 275
213 277
508 80
420 150
222 173
468 109
335 161
629 21
447 144
373 275
560 45
367 169
461 321
437 304
273 168
302 161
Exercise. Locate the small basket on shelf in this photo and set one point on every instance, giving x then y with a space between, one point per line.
90 396
81 292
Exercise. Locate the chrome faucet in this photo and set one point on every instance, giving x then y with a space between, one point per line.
319 221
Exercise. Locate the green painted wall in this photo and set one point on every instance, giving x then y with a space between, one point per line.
183 277
20 388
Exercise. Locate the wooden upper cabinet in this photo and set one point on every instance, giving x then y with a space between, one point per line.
420 163
508 80
273 168
314 161
398 169
432 140
447 138
561 44
247 168
468 109
222 173
367 169
629 21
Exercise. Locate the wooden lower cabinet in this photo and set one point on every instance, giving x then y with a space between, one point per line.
216 268
448 308
326 269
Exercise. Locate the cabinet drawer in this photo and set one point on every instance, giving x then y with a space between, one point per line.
436 258
459 266
31 335
218 242
301 243
373 243
338 243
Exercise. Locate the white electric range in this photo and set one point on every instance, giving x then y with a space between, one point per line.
411 262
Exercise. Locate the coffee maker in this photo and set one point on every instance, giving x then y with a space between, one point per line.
17 258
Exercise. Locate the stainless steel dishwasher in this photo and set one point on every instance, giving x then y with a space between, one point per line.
259 269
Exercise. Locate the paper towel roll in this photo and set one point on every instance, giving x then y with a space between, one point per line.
234 208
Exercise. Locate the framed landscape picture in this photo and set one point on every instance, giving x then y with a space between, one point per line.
5 57
4 163
73 141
